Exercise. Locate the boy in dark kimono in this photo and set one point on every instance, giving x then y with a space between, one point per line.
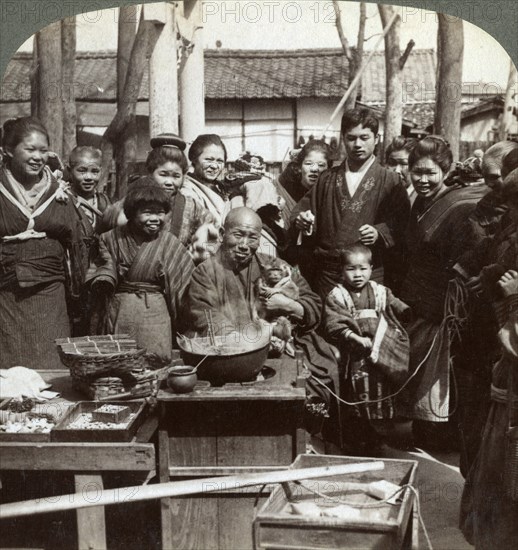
361 318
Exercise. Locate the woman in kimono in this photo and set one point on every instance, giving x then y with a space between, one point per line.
488 513
143 271
437 235
40 250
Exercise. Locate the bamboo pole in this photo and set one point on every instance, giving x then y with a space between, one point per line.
88 499
360 72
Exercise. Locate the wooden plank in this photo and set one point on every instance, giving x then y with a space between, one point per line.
91 523
236 393
194 523
147 430
188 471
78 456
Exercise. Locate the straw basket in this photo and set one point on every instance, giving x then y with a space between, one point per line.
95 356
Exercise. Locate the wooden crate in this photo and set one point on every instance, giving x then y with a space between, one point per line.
237 428
388 527
61 432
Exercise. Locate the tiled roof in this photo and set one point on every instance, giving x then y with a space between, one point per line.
251 74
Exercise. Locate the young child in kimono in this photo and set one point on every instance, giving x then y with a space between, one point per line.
362 318
276 278
84 172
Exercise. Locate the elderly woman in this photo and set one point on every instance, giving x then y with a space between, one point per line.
436 236
40 250
396 160
142 271
488 512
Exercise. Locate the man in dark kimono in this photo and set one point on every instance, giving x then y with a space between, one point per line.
358 201
224 285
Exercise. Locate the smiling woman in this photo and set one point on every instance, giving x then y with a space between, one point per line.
40 238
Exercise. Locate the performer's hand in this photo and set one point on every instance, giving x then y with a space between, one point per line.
205 242
368 234
508 282
304 221
363 341
280 304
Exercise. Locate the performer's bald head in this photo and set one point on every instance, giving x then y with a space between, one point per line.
242 216
241 235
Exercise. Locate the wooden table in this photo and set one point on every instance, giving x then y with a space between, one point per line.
85 461
237 428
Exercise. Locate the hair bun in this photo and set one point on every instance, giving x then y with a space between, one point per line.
168 139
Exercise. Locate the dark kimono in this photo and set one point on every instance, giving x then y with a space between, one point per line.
346 311
34 271
380 200
437 235
229 295
489 518
93 210
149 279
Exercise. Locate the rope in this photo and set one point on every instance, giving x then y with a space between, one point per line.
379 504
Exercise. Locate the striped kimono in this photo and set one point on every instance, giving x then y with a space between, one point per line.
149 279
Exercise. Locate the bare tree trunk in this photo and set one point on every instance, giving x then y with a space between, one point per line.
34 79
68 52
125 148
449 80
49 88
393 100
507 115
355 58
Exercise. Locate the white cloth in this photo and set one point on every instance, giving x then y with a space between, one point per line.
354 179
22 382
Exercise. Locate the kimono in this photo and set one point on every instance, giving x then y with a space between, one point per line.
380 200
488 517
149 278
361 314
219 204
184 218
93 209
230 297
40 263
437 235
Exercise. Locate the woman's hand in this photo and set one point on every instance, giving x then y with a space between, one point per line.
205 243
508 282
304 221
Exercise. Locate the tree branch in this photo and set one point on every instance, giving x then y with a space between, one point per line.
341 34
406 53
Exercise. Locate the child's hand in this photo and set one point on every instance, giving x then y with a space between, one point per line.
363 341
508 282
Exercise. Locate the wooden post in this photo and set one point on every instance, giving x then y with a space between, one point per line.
68 52
192 92
394 101
49 87
163 77
449 80
90 538
125 148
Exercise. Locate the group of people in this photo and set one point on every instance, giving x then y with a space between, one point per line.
398 283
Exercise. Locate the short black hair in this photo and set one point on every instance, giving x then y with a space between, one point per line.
144 192
356 248
353 117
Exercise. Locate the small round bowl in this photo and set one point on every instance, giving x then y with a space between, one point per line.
181 379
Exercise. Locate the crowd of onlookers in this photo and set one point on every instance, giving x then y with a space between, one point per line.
398 282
